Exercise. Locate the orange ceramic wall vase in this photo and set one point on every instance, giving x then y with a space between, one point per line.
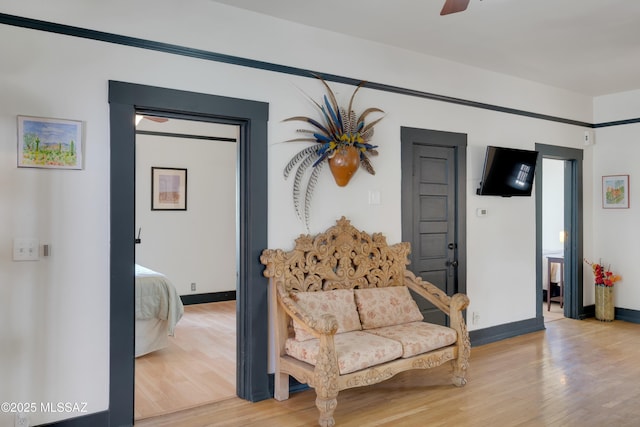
344 164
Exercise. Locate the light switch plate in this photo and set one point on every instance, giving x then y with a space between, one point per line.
374 197
26 249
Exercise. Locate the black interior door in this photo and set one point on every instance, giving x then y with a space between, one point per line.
431 210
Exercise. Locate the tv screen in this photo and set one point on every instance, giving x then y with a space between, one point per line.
508 172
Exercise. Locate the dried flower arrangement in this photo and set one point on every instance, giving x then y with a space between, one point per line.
603 276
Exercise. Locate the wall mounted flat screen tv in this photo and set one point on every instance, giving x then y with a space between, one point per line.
508 172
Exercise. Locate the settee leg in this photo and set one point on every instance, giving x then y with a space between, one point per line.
326 408
281 386
460 370
326 381
459 380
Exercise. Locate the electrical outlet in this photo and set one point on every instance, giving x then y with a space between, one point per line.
193 286
22 420
475 318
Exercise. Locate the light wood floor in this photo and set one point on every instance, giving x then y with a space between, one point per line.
554 313
196 368
575 373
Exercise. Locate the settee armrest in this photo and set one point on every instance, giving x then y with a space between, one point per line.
451 305
428 291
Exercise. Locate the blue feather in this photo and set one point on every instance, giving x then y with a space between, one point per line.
333 114
323 149
365 146
321 138
322 157
318 125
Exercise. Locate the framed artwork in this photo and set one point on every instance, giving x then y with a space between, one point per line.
168 189
49 143
615 191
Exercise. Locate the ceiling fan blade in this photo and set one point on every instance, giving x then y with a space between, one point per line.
453 6
156 119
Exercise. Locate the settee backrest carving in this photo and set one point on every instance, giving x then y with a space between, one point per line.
340 258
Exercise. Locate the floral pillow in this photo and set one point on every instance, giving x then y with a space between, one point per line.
339 302
393 305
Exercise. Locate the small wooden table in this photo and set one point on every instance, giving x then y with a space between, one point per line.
560 298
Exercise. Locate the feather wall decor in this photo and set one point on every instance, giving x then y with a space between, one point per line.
337 131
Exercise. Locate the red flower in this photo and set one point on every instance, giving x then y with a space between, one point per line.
602 276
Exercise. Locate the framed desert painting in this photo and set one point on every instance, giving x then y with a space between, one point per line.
615 191
168 189
49 143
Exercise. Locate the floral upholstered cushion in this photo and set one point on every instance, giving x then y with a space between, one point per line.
418 337
393 305
355 350
339 302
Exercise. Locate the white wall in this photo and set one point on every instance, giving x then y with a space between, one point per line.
55 312
552 204
197 245
616 234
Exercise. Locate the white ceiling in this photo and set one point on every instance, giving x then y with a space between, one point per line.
586 46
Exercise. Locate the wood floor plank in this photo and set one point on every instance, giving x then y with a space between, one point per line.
554 313
575 373
196 368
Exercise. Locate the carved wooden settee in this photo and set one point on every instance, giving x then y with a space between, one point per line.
345 318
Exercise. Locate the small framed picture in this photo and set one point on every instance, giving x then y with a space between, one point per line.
615 191
168 189
49 143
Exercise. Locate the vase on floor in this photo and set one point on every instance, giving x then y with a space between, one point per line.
605 310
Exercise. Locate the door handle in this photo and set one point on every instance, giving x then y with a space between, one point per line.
452 245
453 263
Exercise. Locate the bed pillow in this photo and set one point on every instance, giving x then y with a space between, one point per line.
339 302
392 305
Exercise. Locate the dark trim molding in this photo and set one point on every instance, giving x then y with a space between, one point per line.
468 103
208 297
294 385
626 314
508 330
617 123
96 419
185 136
69 30
252 319
588 311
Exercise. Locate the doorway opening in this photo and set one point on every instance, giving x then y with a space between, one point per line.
187 234
251 117
568 253
553 239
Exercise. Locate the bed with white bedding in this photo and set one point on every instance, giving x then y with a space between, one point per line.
158 310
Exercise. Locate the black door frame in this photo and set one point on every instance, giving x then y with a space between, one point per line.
252 316
457 141
573 219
